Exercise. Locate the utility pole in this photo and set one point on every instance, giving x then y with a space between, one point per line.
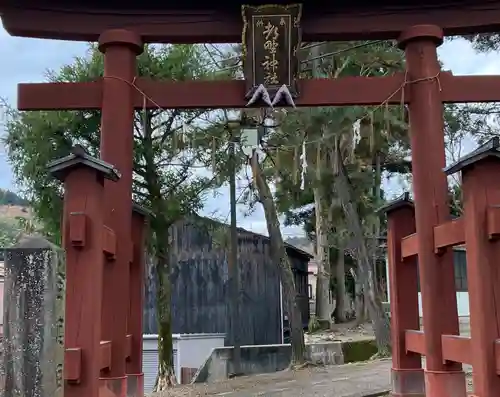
234 274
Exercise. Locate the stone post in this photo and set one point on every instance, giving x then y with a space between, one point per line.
33 336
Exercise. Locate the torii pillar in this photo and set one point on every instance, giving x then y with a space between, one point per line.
135 376
120 48
407 374
437 281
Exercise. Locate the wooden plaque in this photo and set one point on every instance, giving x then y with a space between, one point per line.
271 38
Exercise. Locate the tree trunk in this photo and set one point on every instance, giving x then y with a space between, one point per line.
166 375
160 224
280 257
359 299
376 312
323 312
376 226
340 291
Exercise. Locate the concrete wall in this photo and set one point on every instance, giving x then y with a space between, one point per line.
1 295
264 359
195 348
1 304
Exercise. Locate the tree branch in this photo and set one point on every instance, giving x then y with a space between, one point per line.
168 125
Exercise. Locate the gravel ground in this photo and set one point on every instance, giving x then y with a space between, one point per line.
351 380
349 332
342 332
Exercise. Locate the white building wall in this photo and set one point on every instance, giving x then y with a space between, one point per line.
190 351
462 299
462 304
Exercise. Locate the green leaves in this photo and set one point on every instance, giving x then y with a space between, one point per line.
382 135
484 42
10 198
166 156
8 233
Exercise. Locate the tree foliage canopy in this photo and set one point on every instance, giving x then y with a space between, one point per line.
165 153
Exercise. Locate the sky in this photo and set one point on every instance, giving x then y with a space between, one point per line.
27 60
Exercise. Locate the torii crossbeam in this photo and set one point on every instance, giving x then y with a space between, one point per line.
345 91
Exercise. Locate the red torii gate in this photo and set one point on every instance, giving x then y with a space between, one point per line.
91 232
479 230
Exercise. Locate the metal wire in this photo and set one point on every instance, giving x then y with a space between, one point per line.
304 61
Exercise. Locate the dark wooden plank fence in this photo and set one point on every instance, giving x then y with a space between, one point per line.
200 286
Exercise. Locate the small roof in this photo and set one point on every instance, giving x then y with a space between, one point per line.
242 232
490 149
78 158
402 201
146 212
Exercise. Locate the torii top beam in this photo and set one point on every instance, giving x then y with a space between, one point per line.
163 22
197 22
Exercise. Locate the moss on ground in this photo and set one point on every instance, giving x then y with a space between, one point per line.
360 350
